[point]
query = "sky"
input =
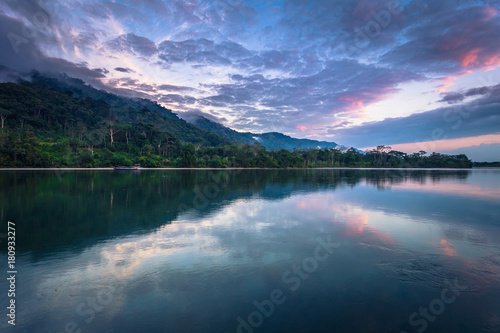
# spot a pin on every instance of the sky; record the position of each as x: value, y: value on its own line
x: 414, y: 75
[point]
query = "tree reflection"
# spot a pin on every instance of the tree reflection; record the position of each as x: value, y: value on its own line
x: 78, y: 208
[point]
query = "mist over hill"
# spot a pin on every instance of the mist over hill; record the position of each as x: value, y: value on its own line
x: 63, y: 122
x: 271, y: 140
x: 133, y: 109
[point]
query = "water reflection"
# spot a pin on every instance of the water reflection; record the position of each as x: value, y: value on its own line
x: 72, y: 202
x: 181, y: 258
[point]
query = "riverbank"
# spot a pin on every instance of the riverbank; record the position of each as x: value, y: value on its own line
x: 144, y: 169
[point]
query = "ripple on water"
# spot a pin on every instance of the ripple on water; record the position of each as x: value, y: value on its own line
x: 433, y: 271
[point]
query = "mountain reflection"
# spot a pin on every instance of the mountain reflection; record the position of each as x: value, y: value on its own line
x: 78, y: 208
x: 192, y: 249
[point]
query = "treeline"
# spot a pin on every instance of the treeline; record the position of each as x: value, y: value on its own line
x: 43, y: 127
x: 257, y: 156
x: 142, y: 144
x: 486, y: 164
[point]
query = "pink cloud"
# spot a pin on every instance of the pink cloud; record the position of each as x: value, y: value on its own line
x: 492, y: 63
x: 352, y: 101
x: 470, y: 58
x: 444, y: 145
x: 489, y: 13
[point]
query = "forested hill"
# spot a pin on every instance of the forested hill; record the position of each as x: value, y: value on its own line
x: 52, y: 108
x: 117, y: 103
x: 272, y: 140
x: 49, y: 123
x: 82, y: 90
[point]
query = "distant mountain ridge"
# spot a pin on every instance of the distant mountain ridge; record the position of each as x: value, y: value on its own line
x: 197, y: 130
x: 271, y: 140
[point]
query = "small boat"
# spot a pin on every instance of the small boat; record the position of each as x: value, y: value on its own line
x: 121, y: 168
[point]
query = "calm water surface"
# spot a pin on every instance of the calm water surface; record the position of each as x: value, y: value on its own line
x: 254, y: 250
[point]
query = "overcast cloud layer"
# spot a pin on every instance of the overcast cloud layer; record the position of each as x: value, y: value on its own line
x: 358, y: 72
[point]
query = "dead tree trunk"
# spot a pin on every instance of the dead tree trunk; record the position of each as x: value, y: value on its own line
x: 3, y: 116
x: 112, y: 132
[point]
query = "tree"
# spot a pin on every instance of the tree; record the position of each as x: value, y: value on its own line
x: 383, y: 149
x: 120, y: 159
x: 112, y: 131
x: 3, y: 115
x: 188, y: 155
x: 147, y: 149
x: 81, y: 129
x: 127, y: 129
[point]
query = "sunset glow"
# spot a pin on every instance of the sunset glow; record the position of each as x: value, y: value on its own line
x: 263, y: 67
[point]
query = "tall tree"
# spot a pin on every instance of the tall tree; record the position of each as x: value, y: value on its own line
x: 112, y: 131
x: 188, y: 154
x: 3, y: 115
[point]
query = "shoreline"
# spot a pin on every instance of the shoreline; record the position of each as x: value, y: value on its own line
x: 145, y: 169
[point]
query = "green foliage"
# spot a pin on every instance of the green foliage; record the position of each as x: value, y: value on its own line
x: 44, y: 127
x: 119, y: 159
x: 486, y: 164
x: 188, y: 156
x: 124, y: 110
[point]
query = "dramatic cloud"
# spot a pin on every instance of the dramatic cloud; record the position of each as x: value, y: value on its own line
x: 355, y: 71
x: 22, y: 54
x: 468, y: 120
x: 467, y: 39
x: 133, y: 44
x: 201, y: 51
x: 169, y: 87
